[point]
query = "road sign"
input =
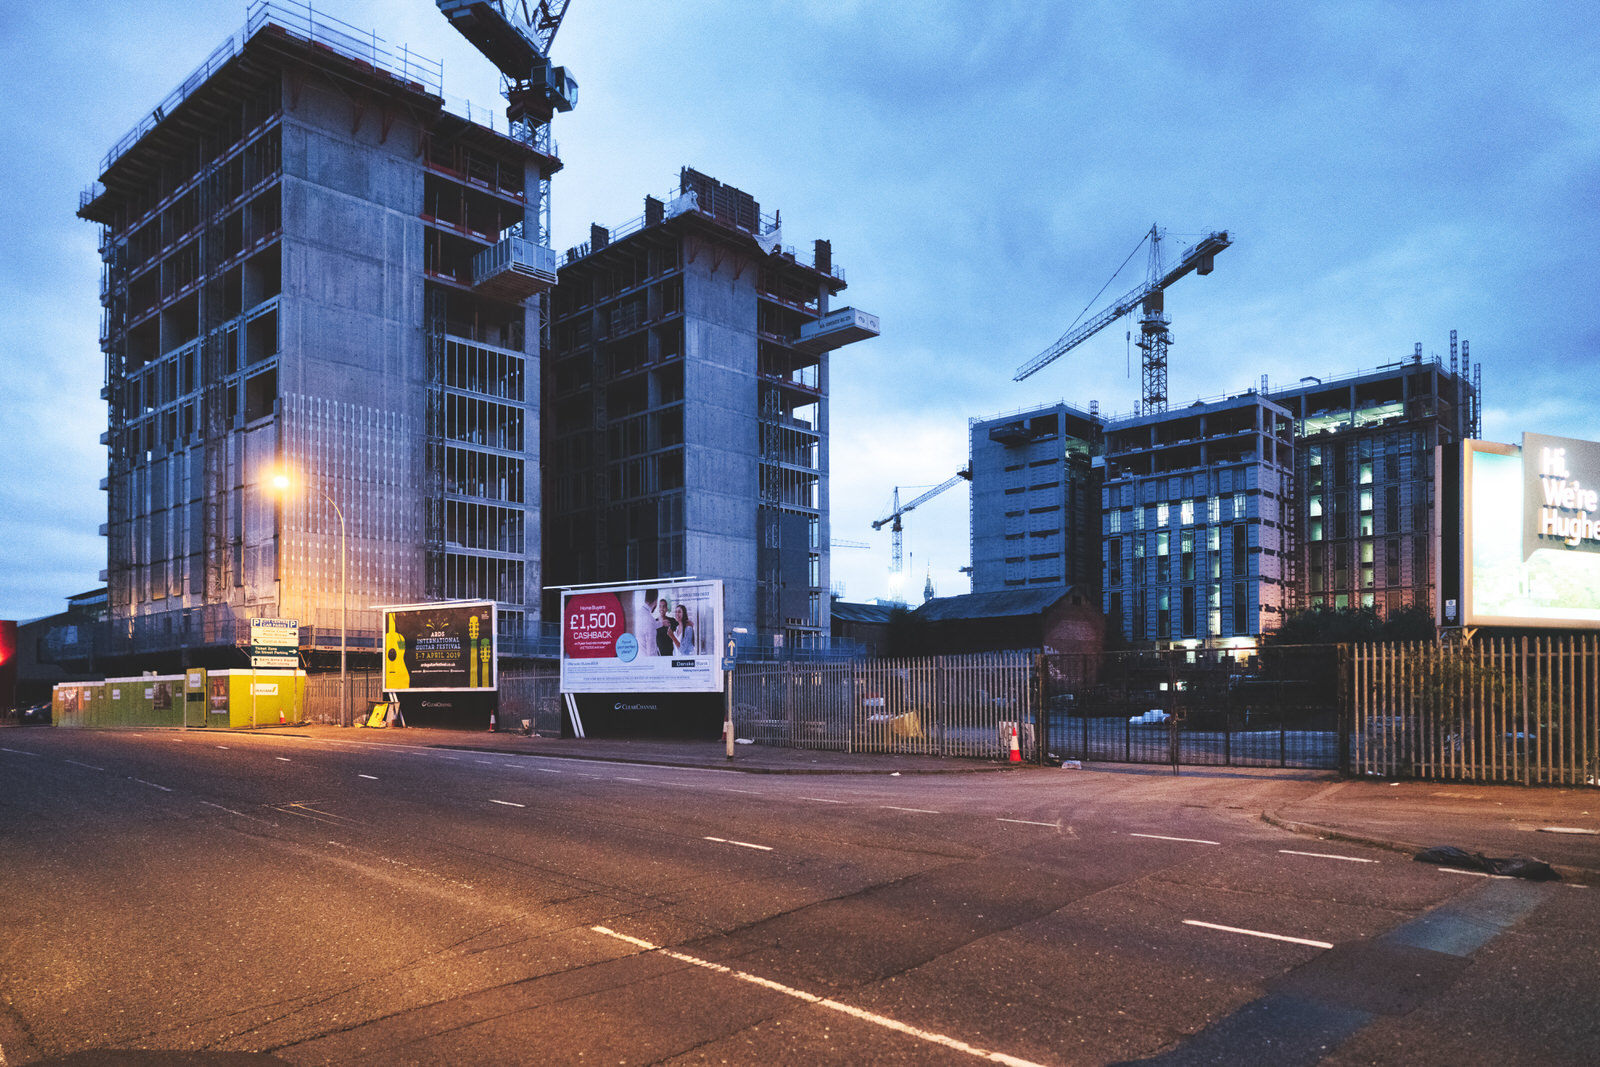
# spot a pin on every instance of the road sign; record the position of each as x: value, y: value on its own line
x: 277, y: 633
x: 275, y: 661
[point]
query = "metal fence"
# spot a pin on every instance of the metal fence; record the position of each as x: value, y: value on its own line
x: 1515, y: 709
x: 942, y: 706
x: 533, y: 694
x: 322, y: 695
x: 1200, y: 707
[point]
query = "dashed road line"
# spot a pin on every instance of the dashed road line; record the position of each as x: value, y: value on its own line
x: 547, y: 770
x: 369, y: 777
x: 507, y: 803
x: 920, y: 811
x: 153, y: 785
x: 824, y: 1002
x: 91, y: 766
x: 19, y: 751
x: 620, y: 778
x: 1185, y: 840
x: 822, y: 800
x: 1568, y: 830
x: 1326, y: 856
x: 1030, y: 822
x: 283, y: 759
x: 730, y: 789
x: 1260, y: 933
x: 741, y: 844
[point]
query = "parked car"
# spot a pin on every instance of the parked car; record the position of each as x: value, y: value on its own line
x: 1153, y: 717
x: 35, y: 715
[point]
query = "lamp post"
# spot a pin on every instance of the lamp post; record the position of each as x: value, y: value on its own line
x: 281, y: 481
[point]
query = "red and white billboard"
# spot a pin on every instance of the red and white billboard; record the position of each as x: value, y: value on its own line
x: 664, y: 637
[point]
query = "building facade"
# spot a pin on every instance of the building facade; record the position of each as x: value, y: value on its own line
x: 1197, y: 524
x: 1366, y: 509
x: 1035, y: 500
x: 312, y: 268
x: 686, y: 400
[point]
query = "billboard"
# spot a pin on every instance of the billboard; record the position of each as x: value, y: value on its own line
x: 449, y: 645
x: 1531, y: 533
x: 662, y: 638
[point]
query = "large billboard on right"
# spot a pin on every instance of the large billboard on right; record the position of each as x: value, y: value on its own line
x: 1531, y: 533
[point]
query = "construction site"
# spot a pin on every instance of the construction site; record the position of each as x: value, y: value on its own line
x: 344, y: 368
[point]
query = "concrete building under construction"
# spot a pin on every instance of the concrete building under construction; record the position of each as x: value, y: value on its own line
x: 1366, y: 514
x: 686, y: 408
x: 313, y: 266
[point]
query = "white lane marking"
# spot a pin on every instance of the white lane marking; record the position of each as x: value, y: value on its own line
x: 730, y: 789
x: 91, y: 766
x: 741, y: 844
x: 823, y: 800
x: 283, y: 759
x: 508, y: 803
x: 1542, y: 829
x: 369, y: 777
x: 1260, y: 933
x: 620, y: 778
x: 1471, y: 874
x: 1326, y: 856
x: 1030, y: 822
x: 485, y: 762
x: 1187, y: 840
x: 219, y: 807
x: 546, y: 770
x: 223, y: 747
x: 163, y: 788
x: 825, y: 1002
x: 921, y: 811
x: 19, y: 751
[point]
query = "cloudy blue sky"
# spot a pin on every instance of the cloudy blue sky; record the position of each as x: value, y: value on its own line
x: 1389, y: 172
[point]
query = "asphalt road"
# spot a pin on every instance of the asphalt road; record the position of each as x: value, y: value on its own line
x: 240, y: 899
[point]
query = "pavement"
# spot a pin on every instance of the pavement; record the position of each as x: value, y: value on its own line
x: 1560, y: 825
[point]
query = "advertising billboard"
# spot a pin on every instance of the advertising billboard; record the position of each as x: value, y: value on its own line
x: 447, y: 646
x: 1531, y: 523
x: 661, y: 638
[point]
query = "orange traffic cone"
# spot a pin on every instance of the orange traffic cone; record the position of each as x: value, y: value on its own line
x: 281, y: 721
x: 1016, y: 752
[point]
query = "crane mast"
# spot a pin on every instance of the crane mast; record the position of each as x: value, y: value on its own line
x: 1154, y: 325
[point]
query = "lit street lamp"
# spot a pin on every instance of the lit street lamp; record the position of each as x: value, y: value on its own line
x: 281, y: 482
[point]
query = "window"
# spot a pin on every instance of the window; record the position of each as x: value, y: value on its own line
x: 1241, y: 550
x: 1114, y: 561
x: 1241, y: 609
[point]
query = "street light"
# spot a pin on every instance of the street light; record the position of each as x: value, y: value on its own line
x: 281, y: 482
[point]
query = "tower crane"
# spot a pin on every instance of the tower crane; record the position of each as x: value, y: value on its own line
x: 516, y: 35
x: 896, y: 510
x: 1154, y: 335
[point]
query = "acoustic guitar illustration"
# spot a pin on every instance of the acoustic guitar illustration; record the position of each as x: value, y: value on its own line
x: 472, y: 652
x: 395, y: 674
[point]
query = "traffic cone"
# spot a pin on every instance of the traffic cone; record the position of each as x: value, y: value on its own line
x: 491, y: 720
x: 1016, y: 752
x: 281, y: 721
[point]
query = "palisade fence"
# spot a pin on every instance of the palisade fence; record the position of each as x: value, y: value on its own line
x: 322, y: 695
x: 939, y: 706
x: 1198, y: 707
x: 1494, y: 709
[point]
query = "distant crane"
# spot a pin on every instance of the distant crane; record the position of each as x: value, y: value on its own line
x: 896, y: 510
x: 1154, y: 335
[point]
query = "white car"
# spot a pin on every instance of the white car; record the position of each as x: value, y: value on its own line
x: 1153, y: 717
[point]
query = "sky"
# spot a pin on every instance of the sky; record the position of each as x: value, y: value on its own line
x: 1388, y: 172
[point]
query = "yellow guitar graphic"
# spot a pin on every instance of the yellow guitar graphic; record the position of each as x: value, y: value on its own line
x: 395, y: 674
x: 472, y: 652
